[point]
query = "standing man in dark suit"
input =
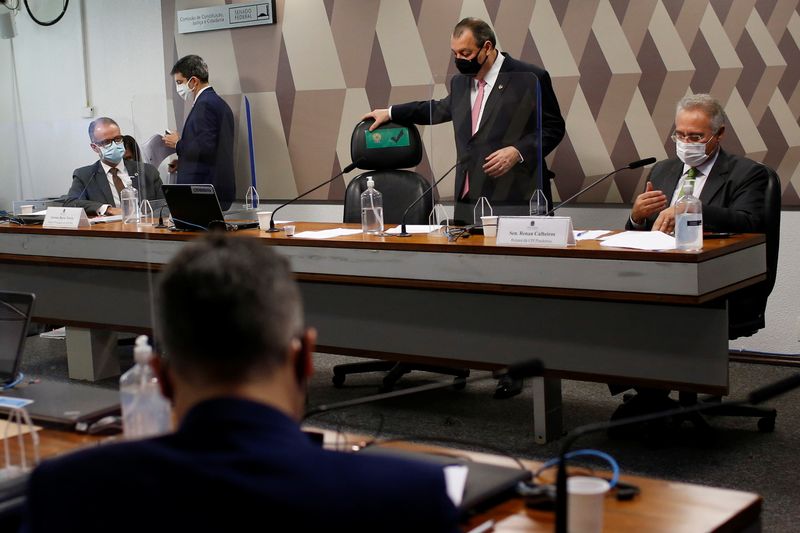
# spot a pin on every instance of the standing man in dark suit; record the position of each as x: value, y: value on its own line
x: 97, y: 187
x: 237, y: 358
x: 493, y: 109
x: 205, y: 148
x: 731, y: 189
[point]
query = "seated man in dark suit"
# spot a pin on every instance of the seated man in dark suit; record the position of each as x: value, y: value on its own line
x: 730, y: 187
x: 237, y: 358
x: 97, y: 187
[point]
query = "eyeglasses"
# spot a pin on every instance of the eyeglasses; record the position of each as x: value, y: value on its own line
x: 691, y: 138
x: 107, y: 142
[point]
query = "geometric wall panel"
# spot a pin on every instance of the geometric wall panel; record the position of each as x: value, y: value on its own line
x: 618, y: 67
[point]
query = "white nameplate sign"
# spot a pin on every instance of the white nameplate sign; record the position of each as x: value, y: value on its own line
x: 226, y: 17
x: 65, y: 218
x: 535, y: 231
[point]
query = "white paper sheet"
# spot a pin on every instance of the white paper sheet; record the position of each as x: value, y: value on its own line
x: 108, y: 218
x: 455, y: 479
x: 640, y: 240
x: 326, y: 233
x: 413, y: 228
x: 590, y: 234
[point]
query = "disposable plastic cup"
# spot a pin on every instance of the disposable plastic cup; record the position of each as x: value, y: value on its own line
x: 585, y: 501
x: 263, y: 219
x: 489, y: 226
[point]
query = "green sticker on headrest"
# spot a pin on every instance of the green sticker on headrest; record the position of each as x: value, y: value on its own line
x: 388, y: 138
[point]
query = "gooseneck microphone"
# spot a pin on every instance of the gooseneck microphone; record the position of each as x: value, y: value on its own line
x: 348, y: 168
x: 523, y: 369
x: 403, y: 232
x: 629, y: 166
x: 756, y: 397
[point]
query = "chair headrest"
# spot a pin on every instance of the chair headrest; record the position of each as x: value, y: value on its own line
x: 391, y: 146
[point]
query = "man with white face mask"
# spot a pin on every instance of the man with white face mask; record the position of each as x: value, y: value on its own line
x: 730, y: 187
x: 205, y: 147
x: 97, y: 187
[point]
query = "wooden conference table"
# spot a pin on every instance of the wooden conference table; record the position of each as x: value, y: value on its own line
x: 662, y: 506
x: 588, y: 312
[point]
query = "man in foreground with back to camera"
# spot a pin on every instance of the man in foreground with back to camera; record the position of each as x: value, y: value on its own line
x: 237, y: 361
x: 97, y: 187
x: 730, y: 187
x: 492, y: 106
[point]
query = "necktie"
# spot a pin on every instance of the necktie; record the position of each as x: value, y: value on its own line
x: 476, y: 113
x: 691, y: 174
x: 117, y: 181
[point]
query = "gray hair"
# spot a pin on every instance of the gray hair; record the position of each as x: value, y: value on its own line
x: 708, y: 105
x: 102, y: 121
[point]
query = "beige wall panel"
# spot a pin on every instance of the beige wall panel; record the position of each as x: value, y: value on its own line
x: 312, y: 143
x: 401, y: 45
x: 310, y: 46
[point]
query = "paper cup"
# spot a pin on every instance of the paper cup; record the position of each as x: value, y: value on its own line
x: 263, y: 219
x: 489, y: 226
x: 586, y: 502
x: 26, y: 209
x: 289, y: 231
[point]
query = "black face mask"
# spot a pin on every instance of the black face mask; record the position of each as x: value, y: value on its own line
x: 470, y: 67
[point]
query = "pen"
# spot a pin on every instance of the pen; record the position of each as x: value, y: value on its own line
x: 483, y: 528
x: 581, y: 232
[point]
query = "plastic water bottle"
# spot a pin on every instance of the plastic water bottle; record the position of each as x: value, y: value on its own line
x: 688, y: 221
x: 371, y: 209
x: 145, y: 411
x: 129, y: 198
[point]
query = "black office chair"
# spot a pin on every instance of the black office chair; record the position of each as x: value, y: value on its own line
x: 382, y: 152
x: 746, y: 310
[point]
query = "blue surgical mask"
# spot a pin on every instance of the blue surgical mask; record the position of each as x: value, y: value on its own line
x: 113, y: 152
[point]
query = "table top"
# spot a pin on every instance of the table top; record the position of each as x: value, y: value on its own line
x: 662, y: 505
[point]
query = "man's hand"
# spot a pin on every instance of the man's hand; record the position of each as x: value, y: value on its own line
x: 501, y: 161
x: 381, y: 116
x: 665, y: 221
x: 171, y: 139
x: 172, y: 166
x: 648, y: 203
x: 113, y: 211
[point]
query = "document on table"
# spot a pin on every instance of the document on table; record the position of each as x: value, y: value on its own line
x: 326, y: 233
x: 108, y: 218
x: 455, y: 480
x: 413, y: 228
x: 590, y: 234
x: 640, y: 240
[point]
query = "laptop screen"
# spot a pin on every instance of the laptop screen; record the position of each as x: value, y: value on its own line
x: 15, y: 315
x: 193, y: 207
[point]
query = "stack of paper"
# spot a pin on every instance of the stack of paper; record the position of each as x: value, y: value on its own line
x: 641, y: 240
x: 326, y: 233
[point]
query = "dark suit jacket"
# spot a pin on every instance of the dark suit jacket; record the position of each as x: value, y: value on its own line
x: 733, y: 200
x: 231, y: 464
x: 509, y: 119
x: 733, y: 196
x: 205, y: 149
x: 90, y: 188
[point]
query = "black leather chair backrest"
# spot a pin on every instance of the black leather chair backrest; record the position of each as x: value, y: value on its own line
x: 746, y: 308
x: 384, y: 152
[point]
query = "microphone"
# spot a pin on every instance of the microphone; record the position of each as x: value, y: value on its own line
x: 629, y: 166
x: 523, y: 369
x: 75, y: 199
x: 348, y: 168
x: 756, y: 397
x: 403, y: 232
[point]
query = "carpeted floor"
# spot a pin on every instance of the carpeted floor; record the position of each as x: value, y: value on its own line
x: 735, y: 455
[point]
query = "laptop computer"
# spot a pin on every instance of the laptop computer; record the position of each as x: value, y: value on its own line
x: 196, y: 207
x: 486, y: 483
x: 64, y: 403
x: 15, y: 317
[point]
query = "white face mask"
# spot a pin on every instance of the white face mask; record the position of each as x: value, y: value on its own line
x: 183, y: 90
x: 692, y: 154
